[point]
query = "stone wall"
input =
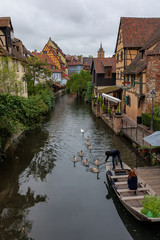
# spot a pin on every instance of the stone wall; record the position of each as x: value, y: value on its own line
x: 152, y: 80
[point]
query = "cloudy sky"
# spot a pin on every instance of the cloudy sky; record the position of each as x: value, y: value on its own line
x: 77, y: 26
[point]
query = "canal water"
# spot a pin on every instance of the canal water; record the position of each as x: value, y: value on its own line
x: 44, y: 196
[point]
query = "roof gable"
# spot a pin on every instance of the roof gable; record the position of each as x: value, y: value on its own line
x: 136, y: 31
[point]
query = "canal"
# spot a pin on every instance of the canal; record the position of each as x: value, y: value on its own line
x: 43, y: 196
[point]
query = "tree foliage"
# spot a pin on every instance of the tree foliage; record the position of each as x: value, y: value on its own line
x: 9, y: 82
x: 78, y: 82
x: 36, y: 72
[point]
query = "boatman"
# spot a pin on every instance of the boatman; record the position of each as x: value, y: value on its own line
x: 114, y: 153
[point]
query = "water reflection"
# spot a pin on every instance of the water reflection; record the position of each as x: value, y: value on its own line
x: 14, y: 205
x: 73, y: 199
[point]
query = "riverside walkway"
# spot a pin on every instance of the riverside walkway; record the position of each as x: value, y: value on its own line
x: 135, y: 132
x: 151, y: 175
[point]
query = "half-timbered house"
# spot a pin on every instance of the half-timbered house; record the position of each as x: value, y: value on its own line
x: 143, y: 74
x: 133, y: 33
x: 14, y: 49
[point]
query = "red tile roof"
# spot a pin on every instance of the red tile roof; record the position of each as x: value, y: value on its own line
x: 5, y: 21
x: 110, y: 62
x: 100, y: 63
x: 136, y: 31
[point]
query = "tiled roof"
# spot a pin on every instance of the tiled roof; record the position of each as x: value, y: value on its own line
x: 5, y: 21
x: 43, y: 57
x: 75, y: 63
x: 136, y: 31
x: 136, y: 66
x: 110, y: 62
x: 100, y: 63
x: 155, y: 37
x: 60, y: 50
x: 88, y: 60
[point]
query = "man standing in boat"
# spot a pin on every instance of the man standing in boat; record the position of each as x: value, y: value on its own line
x: 114, y: 153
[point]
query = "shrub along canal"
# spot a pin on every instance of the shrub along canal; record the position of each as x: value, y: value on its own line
x: 42, y: 194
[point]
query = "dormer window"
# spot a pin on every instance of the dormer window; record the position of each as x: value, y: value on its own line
x: 108, y: 72
x: 142, y: 54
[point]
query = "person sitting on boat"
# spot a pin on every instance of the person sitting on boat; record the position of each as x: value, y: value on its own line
x: 114, y: 153
x: 132, y: 181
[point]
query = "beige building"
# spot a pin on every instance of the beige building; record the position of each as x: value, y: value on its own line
x: 14, y: 49
x: 133, y: 33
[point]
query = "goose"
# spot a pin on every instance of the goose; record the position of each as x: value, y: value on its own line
x: 74, y: 159
x: 85, y: 162
x: 87, y: 138
x: 80, y: 154
x: 95, y: 170
x: 90, y: 147
x: 97, y: 162
x: 87, y: 143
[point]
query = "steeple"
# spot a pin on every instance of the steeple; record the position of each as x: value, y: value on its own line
x: 101, y: 52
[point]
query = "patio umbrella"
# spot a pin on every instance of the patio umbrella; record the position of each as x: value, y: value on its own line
x: 153, y: 139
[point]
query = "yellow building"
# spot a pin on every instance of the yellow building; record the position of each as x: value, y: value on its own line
x: 56, y: 55
x: 133, y: 33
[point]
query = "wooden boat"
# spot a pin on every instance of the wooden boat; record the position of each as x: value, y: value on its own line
x: 87, y: 143
x: 131, y: 201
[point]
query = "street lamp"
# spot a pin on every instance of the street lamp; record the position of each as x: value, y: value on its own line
x: 153, y: 94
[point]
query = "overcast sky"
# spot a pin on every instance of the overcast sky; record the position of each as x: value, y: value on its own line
x: 77, y: 26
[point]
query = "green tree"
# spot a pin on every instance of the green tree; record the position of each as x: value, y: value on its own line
x: 78, y: 82
x: 36, y: 72
x: 9, y: 82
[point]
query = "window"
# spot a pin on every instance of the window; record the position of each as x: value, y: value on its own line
x: 132, y: 79
x: 128, y: 101
x: 117, y: 56
x: 121, y: 55
x: 108, y: 72
x: 45, y: 52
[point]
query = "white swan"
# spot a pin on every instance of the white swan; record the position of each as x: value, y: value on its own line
x: 82, y: 130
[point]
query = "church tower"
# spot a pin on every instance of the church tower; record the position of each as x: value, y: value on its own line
x: 101, y: 52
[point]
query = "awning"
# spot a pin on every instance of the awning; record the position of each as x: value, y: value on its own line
x: 109, y: 89
x: 153, y: 139
x: 110, y: 98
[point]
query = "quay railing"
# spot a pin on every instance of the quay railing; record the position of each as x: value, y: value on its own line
x: 134, y: 132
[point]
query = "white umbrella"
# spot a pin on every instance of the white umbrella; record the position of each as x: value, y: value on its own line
x: 153, y: 139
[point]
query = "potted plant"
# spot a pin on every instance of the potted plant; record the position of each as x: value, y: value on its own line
x: 151, y: 206
x: 118, y: 111
x: 101, y: 99
x: 109, y: 110
x: 98, y: 100
x: 103, y: 107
